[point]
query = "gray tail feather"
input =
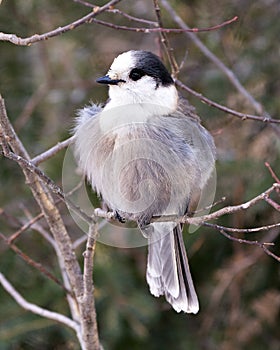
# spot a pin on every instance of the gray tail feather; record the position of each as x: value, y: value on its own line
x: 168, y: 271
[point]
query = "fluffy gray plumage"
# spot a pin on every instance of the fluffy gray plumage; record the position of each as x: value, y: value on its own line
x: 147, y: 155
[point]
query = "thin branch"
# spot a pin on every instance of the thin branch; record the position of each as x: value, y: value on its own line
x: 165, y: 42
x: 36, y: 309
x: 207, y: 207
x: 40, y: 158
x: 199, y: 220
x: 274, y: 176
x: 14, y: 39
x: 10, y: 219
x: 257, y: 243
x: 33, y: 263
x: 85, y: 3
x: 184, y: 59
x: 33, y: 222
x: 242, y: 230
x: 226, y: 210
x: 211, y: 103
x: 160, y: 29
x: 25, y: 227
x: 70, y: 298
x: 271, y: 202
x: 132, y: 18
x: 119, y: 12
x: 44, y: 233
x: 235, y: 208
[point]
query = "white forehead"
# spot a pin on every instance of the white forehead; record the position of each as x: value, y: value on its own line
x: 124, y: 62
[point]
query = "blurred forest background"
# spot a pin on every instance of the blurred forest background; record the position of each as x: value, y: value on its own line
x: 44, y: 84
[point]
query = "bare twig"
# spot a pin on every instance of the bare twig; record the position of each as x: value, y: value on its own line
x: 119, y: 12
x: 52, y: 151
x: 211, y: 103
x: 160, y: 29
x: 242, y: 230
x: 33, y: 220
x: 165, y: 42
x: 36, y: 309
x: 207, y: 207
x: 71, y: 301
x: 184, y: 59
x: 14, y: 39
x: 33, y: 263
x: 25, y: 227
x: 235, y: 208
x: 271, y: 202
x: 262, y: 245
x: 274, y: 176
x: 199, y: 220
x: 132, y: 18
x: 85, y: 3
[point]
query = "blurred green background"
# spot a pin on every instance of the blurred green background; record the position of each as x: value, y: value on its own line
x: 44, y: 84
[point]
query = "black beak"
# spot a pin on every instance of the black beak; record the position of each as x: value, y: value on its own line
x: 107, y: 80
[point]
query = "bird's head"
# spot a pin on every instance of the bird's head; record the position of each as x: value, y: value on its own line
x: 139, y: 77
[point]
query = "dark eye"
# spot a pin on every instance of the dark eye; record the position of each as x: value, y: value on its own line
x: 136, y: 74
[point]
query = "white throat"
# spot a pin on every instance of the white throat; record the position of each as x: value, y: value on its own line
x: 161, y: 98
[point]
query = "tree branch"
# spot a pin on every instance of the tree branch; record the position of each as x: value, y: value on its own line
x: 161, y: 29
x: 40, y: 158
x: 211, y: 103
x: 257, y: 243
x: 36, y: 309
x: 242, y: 230
x: 33, y: 263
x: 14, y: 39
x: 45, y: 201
x: 203, y: 220
x: 119, y: 12
x: 274, y: 176
x: 24, y: 227
x: 165, y: 42
x: 230, y: 209
x: 90, y: 333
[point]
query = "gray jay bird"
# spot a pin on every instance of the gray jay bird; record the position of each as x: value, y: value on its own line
x: 147, y: 155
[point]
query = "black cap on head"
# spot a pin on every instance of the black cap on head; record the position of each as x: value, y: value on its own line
x: 151, y: 65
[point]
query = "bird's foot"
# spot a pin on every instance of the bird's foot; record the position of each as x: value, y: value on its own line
x: 119, y: 217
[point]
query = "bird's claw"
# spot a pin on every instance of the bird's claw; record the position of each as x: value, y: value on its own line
x: 119, y: 218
